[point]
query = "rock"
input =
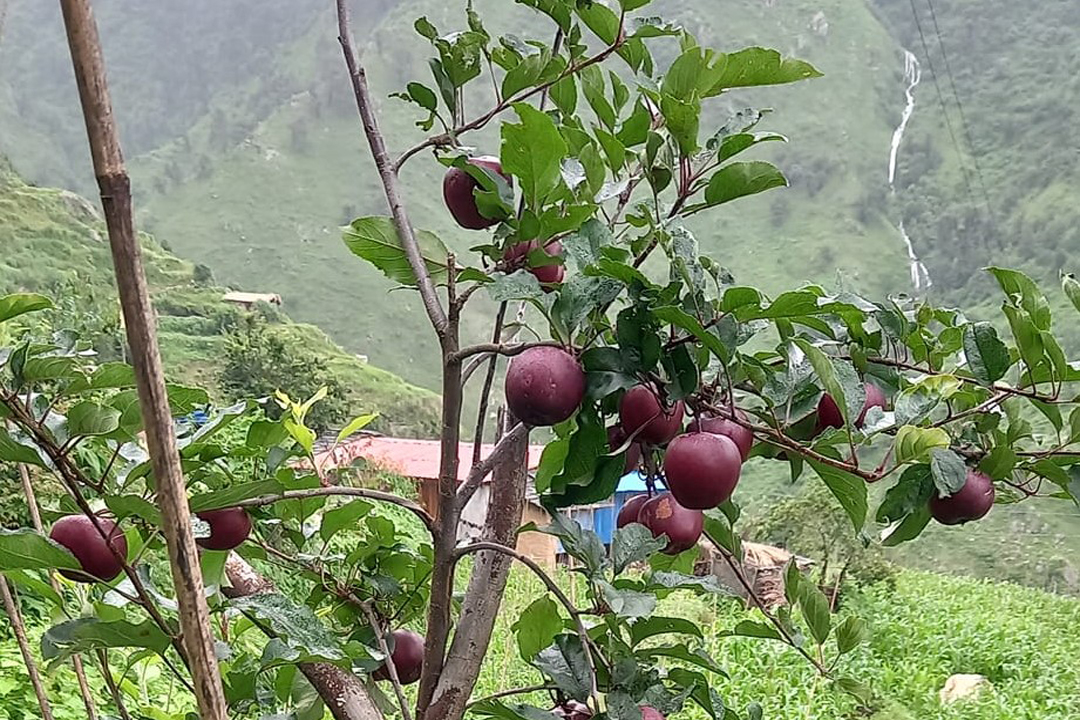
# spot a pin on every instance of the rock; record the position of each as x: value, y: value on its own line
x: 963, y: 687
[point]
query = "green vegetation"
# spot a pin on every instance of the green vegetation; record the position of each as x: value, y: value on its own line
x: 53, y: 242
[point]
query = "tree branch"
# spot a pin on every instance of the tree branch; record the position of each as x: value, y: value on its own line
x: 485, y: 392
x: 19, y: 629
x: 503, y: 349
x: 502, y: 451
x: 512, y: 691
x: 450, y: 138
x: 89, y: 67
x: 413, y: 507
x: 388, y: 174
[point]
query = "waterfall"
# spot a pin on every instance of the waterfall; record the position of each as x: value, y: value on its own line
x: 920, y: 277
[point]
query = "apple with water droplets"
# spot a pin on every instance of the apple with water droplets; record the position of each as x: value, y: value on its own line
x: 663, y: 515
x: 544, y: 386
x: 644, y: 416
x: 229, y: 528
x: 78, y: 534
x: 702, y: 469
x: 971, y: 502
x: 458, y: 193
x: 407, y: 652
x: 742, y: 436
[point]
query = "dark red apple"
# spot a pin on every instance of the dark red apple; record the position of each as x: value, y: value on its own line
x: 829, y: 415
x: 408, y: 655
x: 544, y: 386
x: 547, y: 275
x: 971, y: 502
x: 229, y: 527
x: 742, y: 437
x: 651, y: 713
x: 630, y: 510
x: 664, y: 516
x: 458, y: 188
x: 641, y: 409
x: 616, y: 438
x: 702, y: 469
x: 78, y: 534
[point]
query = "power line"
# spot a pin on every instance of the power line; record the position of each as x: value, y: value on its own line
x: 960, y: 106
x: 944, y: 108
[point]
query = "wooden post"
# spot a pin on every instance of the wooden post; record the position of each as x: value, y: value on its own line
x: 11, y: 607
x: 115, y: 188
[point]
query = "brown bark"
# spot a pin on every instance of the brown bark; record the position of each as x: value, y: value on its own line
x: 11, y: 607
x: 342, y: 692
x: 89, y: 67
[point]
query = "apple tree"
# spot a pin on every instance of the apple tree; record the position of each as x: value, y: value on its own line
x: 637, y: 351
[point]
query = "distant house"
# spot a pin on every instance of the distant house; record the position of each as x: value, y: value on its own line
x: 248, y: 300
x: 419, y: 460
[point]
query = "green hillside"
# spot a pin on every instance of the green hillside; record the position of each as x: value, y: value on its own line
x: 54, y: 242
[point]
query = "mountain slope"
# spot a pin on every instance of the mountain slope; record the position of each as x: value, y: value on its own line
x: 53, y: 242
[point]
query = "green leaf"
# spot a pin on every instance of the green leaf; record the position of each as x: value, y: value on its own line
x: 698, y: 656
x: 683, y: 121
x: 28, y: 550
x: 356, y: 425
x: 753, y: 628
x: 913, y: 444
x: 659, y: 625
x: 229, y: 496
x: 732, y: 145
x: 86, y: 634
x: 849, y: 489
x: 839, y: 380
x: 680, y: 581
x: 342, y: 517
x: 35, y: 585
x: 12, y: 306
x: 376, y: 240
x: 740, y: 179
x: 857, y: 689
x: 908, y: 529
x: 564, y: 662
x: 519, y: 285
x: 682, y: 319
x: 90, y: 418
x: 755, y: 66
x: 633, y: 543
x: 295, y: 624
x: 127, y: 505
x: 13, y: 451
x: 585, y: 545
x: 986, y: 354
x: 537, y: 627
x: 564, y: 95
x: 627, y: 603
x: 533, y: 151
x: 815, y: 610
x: 910, y: 493
x: 38, y: 369
x: 948, y: 470
x: 1024, y: 293
x: 111, y: 376
x: 851, y: 633
x: 1071, y: 287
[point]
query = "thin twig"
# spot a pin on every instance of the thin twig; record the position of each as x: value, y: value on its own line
x: 388, y: 174
x: 413, y: 507
x: 509, y: 350
x: 391, y: 669
x: 558, y: 593
x: 110, y: 682
x: 485, y: 392
x: 446, y: 139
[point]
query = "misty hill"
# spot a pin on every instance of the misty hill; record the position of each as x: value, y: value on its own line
x: 247, y: 155
x: 53, y: 241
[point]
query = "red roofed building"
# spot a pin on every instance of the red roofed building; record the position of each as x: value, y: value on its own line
x: 419, y: 460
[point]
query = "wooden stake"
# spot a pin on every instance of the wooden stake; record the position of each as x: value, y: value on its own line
x: 12, y: 609
x: 115, y: 188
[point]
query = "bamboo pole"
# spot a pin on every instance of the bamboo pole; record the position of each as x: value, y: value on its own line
x: 11, y: 607
x: 115, y: 187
